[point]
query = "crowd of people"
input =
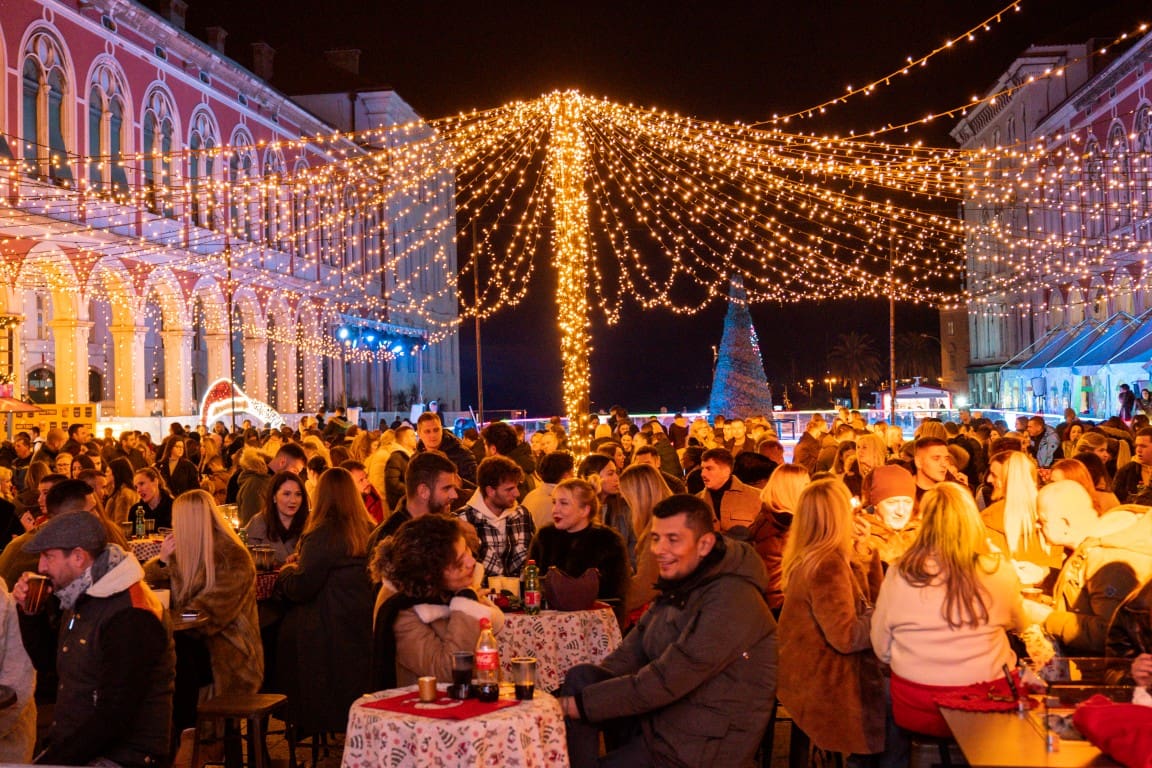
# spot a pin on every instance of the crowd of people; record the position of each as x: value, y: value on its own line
x: 855, y: 584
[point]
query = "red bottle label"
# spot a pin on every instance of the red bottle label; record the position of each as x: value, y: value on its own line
x: 487, y: 660
x: 531, y: 599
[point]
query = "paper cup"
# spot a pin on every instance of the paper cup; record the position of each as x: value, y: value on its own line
x: 164, y: 596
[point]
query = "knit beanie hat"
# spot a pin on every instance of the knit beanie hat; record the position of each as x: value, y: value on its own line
x: 892, y: 480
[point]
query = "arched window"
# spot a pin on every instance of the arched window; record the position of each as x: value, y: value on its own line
x: 107, y: 131
x: 243, y: 193
x: 276, y: 202
x: 159, y: 126
x: 1143, y: 169
x: 203, y: 140
x: 1093, y: 190
x: 44, y: 94
x: 1119, y: 177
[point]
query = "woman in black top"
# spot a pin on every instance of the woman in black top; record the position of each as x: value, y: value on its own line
x: 577, y: 540
x: 179, y: 473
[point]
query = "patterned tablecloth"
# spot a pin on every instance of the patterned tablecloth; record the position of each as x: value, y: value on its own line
x: 559, y: 641
x: 529, y: 735
x: 265, y: 583
x: 145, y: 549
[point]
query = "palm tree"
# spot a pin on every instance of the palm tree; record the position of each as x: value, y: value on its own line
x: 917, y: 355
x: 853, y: 357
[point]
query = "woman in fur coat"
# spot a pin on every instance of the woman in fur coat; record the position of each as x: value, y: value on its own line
x: 212, y: 573
x: 829, y: 678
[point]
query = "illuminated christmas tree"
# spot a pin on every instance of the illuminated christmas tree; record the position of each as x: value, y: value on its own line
x: 739, y: 386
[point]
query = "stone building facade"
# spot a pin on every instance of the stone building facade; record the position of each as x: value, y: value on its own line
x: 162, y: 225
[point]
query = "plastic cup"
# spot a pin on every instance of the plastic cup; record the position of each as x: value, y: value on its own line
x: 38, y: 591
x: 524, y: 677
x: 427, y: 686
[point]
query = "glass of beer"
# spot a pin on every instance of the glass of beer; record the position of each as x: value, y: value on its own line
x: 38, y: 591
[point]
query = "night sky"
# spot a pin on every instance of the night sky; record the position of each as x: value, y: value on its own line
x: 729, y: 61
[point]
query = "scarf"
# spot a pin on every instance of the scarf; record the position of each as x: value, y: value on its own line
x: 112, y: 556
x: 382, y: 666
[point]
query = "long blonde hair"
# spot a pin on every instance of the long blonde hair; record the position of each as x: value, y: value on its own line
x: 1020, y: 478
x: 821, y: 528
x: 876, y: 445
x: 642, y: 486
x: 195, y: 521
x: 948, y: 550
x: 784, y: 487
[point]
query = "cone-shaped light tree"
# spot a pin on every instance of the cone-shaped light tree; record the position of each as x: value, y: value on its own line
x: 739, y: 386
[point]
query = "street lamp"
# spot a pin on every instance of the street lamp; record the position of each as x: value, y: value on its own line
x: 810, y: 383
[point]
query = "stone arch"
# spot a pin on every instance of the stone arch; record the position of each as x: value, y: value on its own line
x: 282, y: 361
x: 309, y: 357
x: 205, y: 163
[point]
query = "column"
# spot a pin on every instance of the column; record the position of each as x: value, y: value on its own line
x: 70, y: 354
x: 285, y: 372
x: 313, y: 382
x: 128, y: 342
x: 256, y: 367
x: 219, y: 366
x: 178, y: 372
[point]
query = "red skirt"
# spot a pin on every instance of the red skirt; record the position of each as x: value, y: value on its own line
x: 914, y: 706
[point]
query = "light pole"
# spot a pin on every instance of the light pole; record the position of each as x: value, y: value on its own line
x: 810, y: 383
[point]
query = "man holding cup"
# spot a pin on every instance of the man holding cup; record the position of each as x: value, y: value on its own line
x: 115, y: 660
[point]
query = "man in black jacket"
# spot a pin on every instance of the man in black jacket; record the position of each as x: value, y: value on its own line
x: 433, y: 437
x: 116, y: 660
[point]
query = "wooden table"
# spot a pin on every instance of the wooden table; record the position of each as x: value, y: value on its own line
x: 1012, y: 740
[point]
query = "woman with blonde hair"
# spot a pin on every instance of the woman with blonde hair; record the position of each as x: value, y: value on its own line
x: 577, y: 541
x: 828, y: 677
x: 325, y: 640
x: 1011, y: 522
x: 214, y: 475
x: 377, y: 462
x: 1097, y: 443
x: 943, y: 610
x: 769, y: 533
x: 871, y: 452
x: 211, y: 574
x: 643, y: 487
x: 362, y: 446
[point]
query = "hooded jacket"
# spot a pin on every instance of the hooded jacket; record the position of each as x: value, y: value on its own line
x: 1096, y: 578
x: 699, y: 669
x: 253, y: 479
x: 117, y: 667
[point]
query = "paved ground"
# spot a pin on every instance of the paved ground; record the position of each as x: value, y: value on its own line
x: 923, y: 757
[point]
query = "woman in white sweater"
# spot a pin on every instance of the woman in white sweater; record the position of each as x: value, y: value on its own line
x: 943, y: 609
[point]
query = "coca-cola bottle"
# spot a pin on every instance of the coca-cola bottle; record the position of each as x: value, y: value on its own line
x: 487, y: 664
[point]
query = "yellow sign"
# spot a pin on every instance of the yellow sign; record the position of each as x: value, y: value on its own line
x: 58, y: 415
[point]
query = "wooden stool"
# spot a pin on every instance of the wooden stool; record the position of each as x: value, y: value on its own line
x: 252, y: 707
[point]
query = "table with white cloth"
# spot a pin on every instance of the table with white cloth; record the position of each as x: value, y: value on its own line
x: 528, y: 735
x: 559, y: 640
x: 145, y: 549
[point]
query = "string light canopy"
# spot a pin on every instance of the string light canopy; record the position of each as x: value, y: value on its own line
x: 626, y: 203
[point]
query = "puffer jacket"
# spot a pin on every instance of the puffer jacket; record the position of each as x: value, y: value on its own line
x: 1097, y: 577
x: 700, y: 666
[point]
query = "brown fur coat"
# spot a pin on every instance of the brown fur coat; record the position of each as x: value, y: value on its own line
x: 829, y: 678
x: 232, y: 633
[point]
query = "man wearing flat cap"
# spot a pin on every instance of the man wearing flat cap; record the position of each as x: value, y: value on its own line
x: 115, y: 657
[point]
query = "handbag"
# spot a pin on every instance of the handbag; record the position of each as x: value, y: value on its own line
x: 571, y: 593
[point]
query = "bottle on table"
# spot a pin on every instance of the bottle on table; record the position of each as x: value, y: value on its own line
x: 487, y: 664
x: 140, y: 529
x: 531, y: 588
